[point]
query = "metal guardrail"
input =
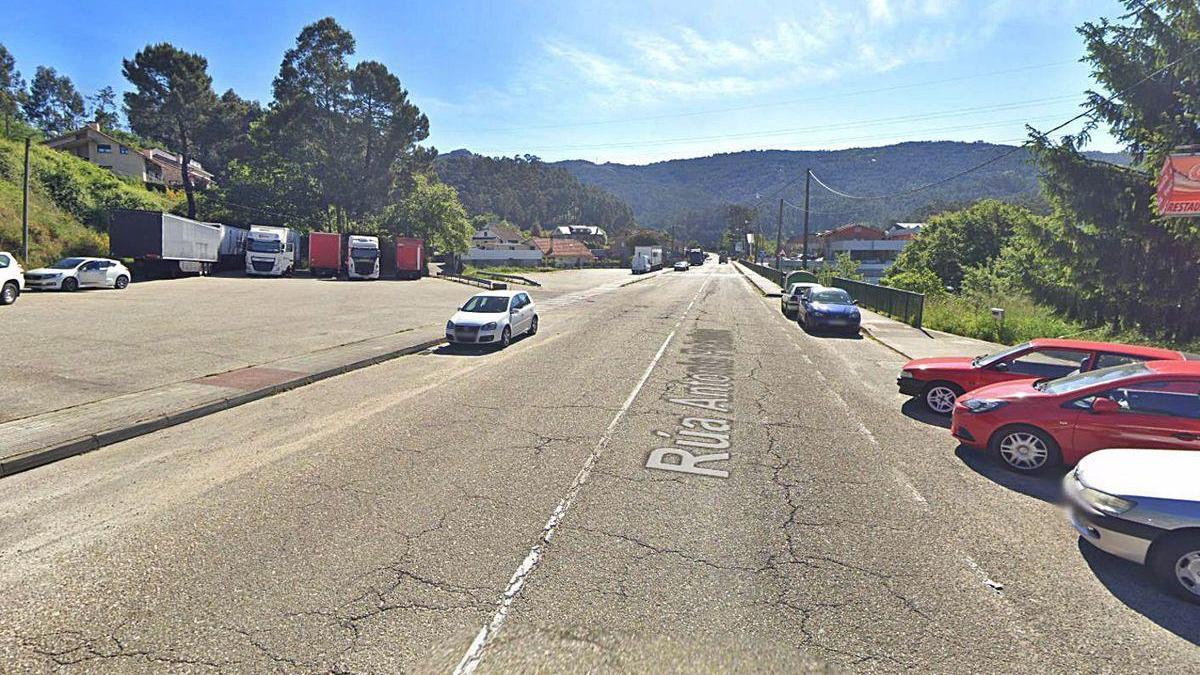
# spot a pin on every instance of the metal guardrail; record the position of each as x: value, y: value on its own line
x: 475, y: 281
x: 768, y: 272
x: 899, y: 304
x: 515, y: 278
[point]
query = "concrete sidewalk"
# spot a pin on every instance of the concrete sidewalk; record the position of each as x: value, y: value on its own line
x: 913, y: 343
x: 40, y: 439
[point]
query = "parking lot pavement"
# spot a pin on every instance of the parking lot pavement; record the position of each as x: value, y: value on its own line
x: 519, y: 512
x: 64, y: 349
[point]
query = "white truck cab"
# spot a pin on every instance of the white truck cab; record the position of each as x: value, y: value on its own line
x: 270, y: 251
x: 362, y: 257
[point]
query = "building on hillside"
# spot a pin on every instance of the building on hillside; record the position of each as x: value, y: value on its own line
x: 590, y: 235
x: 873, y: 249
x: 167, y: 167
x: 564, y: 252
x: 91, y: 144
x: 499, y: 237
x: 904, y: 230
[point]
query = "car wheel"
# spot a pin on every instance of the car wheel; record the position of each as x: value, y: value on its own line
x: 8, y: 295
x: 533, y: 325
x: 1175, y: 564
x: 70, y: 284
x: 939, y: 397
x: 1026, y: 449
x: 505, y: 337
x: 121, y: 282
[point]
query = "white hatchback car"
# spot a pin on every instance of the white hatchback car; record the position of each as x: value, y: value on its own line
x: 493, y: 318
x: 70, y: 274
x: 12, y: 278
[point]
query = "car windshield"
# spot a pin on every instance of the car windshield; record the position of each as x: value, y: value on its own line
x: 264, y: 246
x: 67, y: 264
x: 1070, y: 383
x: 831, y: 296
x: 989, y: 359
x: 359, y: 252
x: 486, y: 304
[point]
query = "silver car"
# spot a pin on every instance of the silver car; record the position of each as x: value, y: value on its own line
x: 789, y: 301
x: 1143, y: 506
x: 70, y: 274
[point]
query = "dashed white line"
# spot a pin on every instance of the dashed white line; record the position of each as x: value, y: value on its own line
x: 471, y: 659
x: 916, y: 494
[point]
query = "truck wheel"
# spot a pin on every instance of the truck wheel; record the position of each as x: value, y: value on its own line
x: 8, y: 295
x: 1175, y: 564
x: 121, y: 282
x: 70, y: 284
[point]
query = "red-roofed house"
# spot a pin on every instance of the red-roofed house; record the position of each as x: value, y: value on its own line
x: 567, y: 252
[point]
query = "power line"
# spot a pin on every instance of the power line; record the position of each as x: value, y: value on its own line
x: 1090, y: 109
x: 755, y: 106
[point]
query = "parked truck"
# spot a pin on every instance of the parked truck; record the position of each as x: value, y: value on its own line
x: 164, y: 245
x: 696, y: 257
x: 409, y: 262
x: 271, y: 251
x: 351, y: 255
x: 647, y: 259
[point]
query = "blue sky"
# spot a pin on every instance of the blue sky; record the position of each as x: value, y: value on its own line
x: 636, y: 81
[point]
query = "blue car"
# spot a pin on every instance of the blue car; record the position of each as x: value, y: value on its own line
x: 829, y: 309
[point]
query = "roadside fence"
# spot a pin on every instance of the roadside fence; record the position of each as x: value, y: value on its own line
x: 899, y: 304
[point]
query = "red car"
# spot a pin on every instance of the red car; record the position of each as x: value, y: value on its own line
x: 1032, y: 425
x: 939, y: 381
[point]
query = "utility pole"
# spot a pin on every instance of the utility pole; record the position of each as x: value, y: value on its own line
x: 25, y: 208
x: 779, y: 239
x: 807, y: 176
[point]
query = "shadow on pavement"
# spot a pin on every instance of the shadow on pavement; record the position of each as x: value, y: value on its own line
x: 1133, y: 585
x: 463, y: 350
x: 914, y: 409
x: 840, y: 335
x: 1046, y: 487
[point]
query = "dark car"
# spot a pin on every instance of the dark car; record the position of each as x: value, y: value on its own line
x: 830, y: 309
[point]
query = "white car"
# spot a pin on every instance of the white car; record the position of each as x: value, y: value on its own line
x: 789, y: 302
x: 494, y: 318
x: 12, y: 278
x: 70, y: 274
x: 1143, y: 506
x: 682, y: 266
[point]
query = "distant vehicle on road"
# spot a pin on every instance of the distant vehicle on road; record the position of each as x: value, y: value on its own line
x: 12, y: 278
x: 351, y: 255
x: 789, y: 301
x: 829, y: 308
x: 71, y: 274
x: 696, y: 257
x: 1035, y: 424
x: 271, y: 251
x: 646, y: 259
x: 722, y: 259
x: 682, y: 266
x: 939, y: 381
x: 1143, y: 506
x: 493, y: 318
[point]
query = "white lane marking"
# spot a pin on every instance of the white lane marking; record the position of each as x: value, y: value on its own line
x: 996, y: 586
x: 903, y: 478
x: 470, y: 660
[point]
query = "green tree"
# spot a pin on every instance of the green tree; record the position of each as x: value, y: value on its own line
x: 432, y: 212
x: 843, y: 266
x: 1112, y: 259
x: 104, y: 108
x: 920, y: 280
x: 12, y: 90
x: 956, y: 240
x: 53, y: 105
x: 171, y: 101
x: 225, y: 133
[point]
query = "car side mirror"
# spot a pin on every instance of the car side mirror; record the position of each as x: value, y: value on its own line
x: 1102, y: 404
x: 1002, y: 366
x: 854, y: 302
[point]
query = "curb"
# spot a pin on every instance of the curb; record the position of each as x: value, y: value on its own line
x: 645, y: 277
x: 766, y: 293
x: 78, y: 446
x: 880, y: 341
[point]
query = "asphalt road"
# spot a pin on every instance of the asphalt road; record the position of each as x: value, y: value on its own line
x: 495, y: 511
x: 63, y: 349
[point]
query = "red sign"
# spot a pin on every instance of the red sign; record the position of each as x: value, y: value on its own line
x: 1179, y: 186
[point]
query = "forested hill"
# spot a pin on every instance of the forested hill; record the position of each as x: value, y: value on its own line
x: 530, y: 193
x: 677, y: 191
